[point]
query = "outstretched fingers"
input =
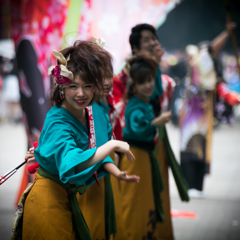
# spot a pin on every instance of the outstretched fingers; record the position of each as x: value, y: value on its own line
x: 129, y: 178
x: 132, y: 178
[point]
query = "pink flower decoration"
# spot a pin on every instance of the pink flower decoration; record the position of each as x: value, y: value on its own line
x: 59, y: 79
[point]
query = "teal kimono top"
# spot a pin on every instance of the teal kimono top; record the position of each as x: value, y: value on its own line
x: 102, y: 124
x: 105, y: 107
x: 63, y: 145
x: 138, y: 116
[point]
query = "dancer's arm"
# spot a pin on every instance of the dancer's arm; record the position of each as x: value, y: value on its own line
x: 162, y: 119
x: 104, y: 151
x: 218, y: 42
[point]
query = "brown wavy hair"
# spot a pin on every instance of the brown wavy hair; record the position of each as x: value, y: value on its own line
x: 89, y: 61
x: 143, y: 68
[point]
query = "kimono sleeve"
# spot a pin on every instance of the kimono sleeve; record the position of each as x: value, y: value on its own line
x: 61, y: 145
x: 140, y: 125
x: 119, y: 86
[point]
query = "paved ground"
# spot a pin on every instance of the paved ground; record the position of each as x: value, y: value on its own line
x: 218, y: 215
x: 13, y: 148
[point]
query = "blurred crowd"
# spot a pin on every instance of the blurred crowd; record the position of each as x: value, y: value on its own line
x: 175, y: 64
x: 10, y: 110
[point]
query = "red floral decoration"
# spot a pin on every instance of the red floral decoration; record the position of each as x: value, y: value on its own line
x: 59, y: 79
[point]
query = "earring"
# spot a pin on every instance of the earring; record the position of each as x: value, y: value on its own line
x: 61, y: 93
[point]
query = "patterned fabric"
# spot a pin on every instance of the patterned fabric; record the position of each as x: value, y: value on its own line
x: 138, y: 116
x: 84, y: 28
x: 225, y: 101
x: 119, y: 90
x: 196, y: 117
x: 204, y: 97
x: 196, y: 122
x: 168, y: 85
x: 36, y: 28
x: 41, y: 22
x: 137, y: 200
x: 107, y: 24
x: 17, y: 222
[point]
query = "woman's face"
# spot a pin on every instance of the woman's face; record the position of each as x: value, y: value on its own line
x: 78, y: 94
x: 144, y: 90
x: 107, y: 87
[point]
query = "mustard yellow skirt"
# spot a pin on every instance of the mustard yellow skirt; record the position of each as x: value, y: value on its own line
x: 47, y: 213
x: 137, y: 201
x: 92, y: 206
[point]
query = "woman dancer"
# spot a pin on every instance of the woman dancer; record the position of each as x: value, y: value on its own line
x: 67, y: 151
x: 141, y: 203
x: 144, y: 38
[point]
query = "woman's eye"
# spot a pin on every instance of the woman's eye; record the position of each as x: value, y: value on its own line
x: 88, y: 86
x: 73, y: 87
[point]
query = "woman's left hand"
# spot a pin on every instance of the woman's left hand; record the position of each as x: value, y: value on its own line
x: 128, y: 178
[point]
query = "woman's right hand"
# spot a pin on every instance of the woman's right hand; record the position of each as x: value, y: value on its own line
x: 123, y: 147
x: 30, y: 155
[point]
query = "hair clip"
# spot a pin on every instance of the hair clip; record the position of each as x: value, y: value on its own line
x: 100, y: 42
x: 60, y: 73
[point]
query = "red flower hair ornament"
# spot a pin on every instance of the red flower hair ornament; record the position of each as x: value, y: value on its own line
x: 60, y: 73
